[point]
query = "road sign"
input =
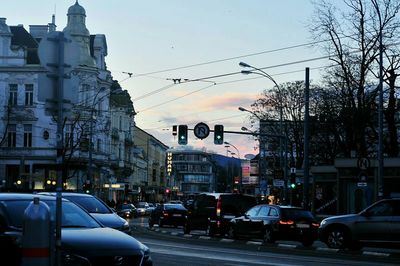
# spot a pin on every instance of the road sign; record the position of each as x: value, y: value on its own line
x: 363, y: 163
x: 201, y: 130
x: 361, y: 184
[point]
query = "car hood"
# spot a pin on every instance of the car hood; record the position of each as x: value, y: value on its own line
x: 93, y: 241
x: 109, y: 219
x: 342, y: 218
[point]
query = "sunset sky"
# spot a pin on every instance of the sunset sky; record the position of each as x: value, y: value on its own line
x: 160, y: 40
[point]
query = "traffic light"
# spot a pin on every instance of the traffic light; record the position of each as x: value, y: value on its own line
x: 182, y: 134
x: 174, y: 130
x: 218, y: 134
x: 293, y: 180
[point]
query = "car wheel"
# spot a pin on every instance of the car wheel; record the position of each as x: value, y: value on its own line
x: 307, y: 242
x: 337, y: 238
x: 231, y: 232
x: 268, y: 236
x: 186, y: 228
x: 210, y: 230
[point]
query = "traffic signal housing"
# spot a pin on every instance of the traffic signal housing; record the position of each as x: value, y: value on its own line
x: 293, y: 180
x: 219, y: 134
x: 183, y: 134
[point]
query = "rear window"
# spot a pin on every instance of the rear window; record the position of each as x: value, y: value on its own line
x: 174, y: 206
x: 237, y: 204
x: 296, y: 214
x: 91, y: 204
x: 72, y: 215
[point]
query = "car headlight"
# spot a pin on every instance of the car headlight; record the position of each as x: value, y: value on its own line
x: 70, y: 259
x: 322, y: 223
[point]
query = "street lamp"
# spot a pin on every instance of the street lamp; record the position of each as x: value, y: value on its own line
x: 230, y: 144
x: 258, y: 71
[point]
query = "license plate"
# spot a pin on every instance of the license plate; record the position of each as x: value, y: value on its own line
x: 177, y: 215
x: 302, y: 225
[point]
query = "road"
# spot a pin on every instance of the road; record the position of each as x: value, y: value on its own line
x: 169, y: 246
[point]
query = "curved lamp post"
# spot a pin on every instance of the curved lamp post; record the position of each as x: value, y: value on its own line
x: 258, y: 71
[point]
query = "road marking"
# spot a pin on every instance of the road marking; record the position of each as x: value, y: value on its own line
x: 187, y: 235
x: 379, y: 254
x: 253, y: 243
x: 328, y: 249
x: 226, y: 240
x: 287, y: 246
x: 205, y: 237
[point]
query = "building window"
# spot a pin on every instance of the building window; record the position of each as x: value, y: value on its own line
x: 12, y: 135
x: 29, y: 94
x: 68, y: 136
x: 120, y: 123
x: 154, y: 175
x: 119, y: 152
x: 98, y: 146
x: 13, y: 97
x: 86, y: 94
x: 27, y: 135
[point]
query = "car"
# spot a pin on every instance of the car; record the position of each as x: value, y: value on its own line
x: 168, y: 214
x: 84, y: 241
x: 377, y: 224
x: 151, y: 208
x: 212, y: 212
x: 127, y: 210
x: 142, y: 208
x: 97, y: 208
x: 276, y: 222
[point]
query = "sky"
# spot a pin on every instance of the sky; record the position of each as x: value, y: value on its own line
x: 162, y: 40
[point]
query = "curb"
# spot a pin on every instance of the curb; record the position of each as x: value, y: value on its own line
x: 281, y: 245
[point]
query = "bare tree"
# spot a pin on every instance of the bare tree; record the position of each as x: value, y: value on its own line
x: 352, y: 40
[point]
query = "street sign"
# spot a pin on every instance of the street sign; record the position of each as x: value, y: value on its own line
x: 278, y: 183
x: 363, y: 163
x: 361, y: 184
x: 201, y: 130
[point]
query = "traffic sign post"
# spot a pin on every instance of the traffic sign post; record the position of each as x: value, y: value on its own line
x: 201, y: 130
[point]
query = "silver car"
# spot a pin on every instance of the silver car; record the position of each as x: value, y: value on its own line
x: 378, y: 223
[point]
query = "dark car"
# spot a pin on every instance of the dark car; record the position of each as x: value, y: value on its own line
x: 377, y: 224
x: 84, y: 241
x: 273, y: 222
x: 213, y: 211
x: 98, y: 209
x: 127, y: 210
x: 168, y: 214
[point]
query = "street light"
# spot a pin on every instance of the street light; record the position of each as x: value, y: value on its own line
x: 230, y: 144
x: 258, y: 71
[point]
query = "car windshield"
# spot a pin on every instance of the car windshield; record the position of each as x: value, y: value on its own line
x: 91, y: 204
x: 72, y: 215
x: 142, y: 205
x: 174, y: 206
x: 127, y: 206
x: 296, y: 214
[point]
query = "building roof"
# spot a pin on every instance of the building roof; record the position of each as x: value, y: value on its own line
x: 23, y: 38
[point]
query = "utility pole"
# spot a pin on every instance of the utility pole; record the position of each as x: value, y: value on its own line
x: 306, y: 199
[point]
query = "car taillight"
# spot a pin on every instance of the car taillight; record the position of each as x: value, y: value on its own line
x: 165, y: 214
x: 315, y: 224
x: 219, y: 207
x: 287, y: 222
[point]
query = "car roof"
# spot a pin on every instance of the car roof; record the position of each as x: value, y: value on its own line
x: 68, y: 194
x: 25, y: 196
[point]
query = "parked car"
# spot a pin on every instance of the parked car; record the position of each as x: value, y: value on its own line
x: 273, y: 222
x: 142, y: 208
x: 213, y: 211
x: 168, y: 214
x: 98, y: 209
x: 127, y: 210
x: 152, y: 206
x: 84, y: 241
x: 377, y: 224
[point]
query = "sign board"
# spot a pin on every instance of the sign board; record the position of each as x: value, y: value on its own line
x: 363, y: 163
x: 201, y: 130
x: 278, y: 183
x: 361, y: 184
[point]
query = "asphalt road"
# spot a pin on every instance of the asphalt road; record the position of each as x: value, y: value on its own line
x: 169, y: 246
